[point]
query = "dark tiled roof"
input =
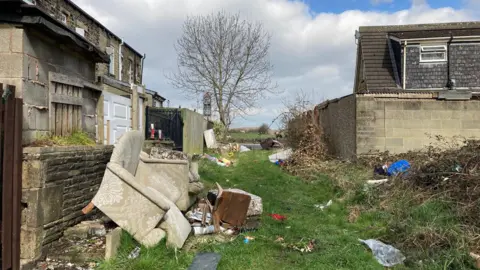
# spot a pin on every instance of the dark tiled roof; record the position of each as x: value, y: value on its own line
x: 377, y: 63
x: 376, y: 71
x: 436, y: 33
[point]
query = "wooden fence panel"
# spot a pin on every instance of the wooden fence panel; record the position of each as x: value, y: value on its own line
x: 66, y: 107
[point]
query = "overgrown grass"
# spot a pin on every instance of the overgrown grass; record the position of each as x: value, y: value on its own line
x: 77, y: 138
x: 337, y: 239
x: 426, y: 231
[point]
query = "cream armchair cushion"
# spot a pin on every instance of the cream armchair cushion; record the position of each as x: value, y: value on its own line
x: 136, y: 197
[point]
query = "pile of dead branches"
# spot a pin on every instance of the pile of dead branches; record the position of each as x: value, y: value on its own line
x: 453, y: 175
x: 303, y: 134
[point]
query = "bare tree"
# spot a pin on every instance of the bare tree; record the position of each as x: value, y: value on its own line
x: 226, y: 57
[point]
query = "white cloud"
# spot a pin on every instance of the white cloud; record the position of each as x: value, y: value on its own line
x: 310, y: 51
x: 378, y: 2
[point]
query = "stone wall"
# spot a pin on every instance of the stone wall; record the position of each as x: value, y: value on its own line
x: 401, y: 124
x: 337, y: 117
x: 41, y: 56
x: 98, y: 35
x: 57, y: 183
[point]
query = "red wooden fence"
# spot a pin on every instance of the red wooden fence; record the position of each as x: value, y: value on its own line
x: 11, y: 117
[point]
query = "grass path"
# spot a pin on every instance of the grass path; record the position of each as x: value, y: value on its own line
x: 337, y: 239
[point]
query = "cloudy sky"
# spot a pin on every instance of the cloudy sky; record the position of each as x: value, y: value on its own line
x: 313, y: 46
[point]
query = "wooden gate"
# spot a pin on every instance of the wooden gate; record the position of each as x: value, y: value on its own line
x: 11, y: 117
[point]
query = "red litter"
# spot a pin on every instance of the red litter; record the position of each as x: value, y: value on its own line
x: 278, y: 217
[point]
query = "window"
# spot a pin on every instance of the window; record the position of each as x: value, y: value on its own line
x: 130, y: 70
x: 436, y: 53
x: 64, y: 17
x: 111, y: 66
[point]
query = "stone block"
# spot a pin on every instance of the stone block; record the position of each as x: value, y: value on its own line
x: 413, y: 143
x: 393, y: 142
x: 470, y: 124
x: 11, y: 65
x: 422, y: 115
x: 455, y: 105
x: 394, y: 123
x: 16, y: 41
x: 112, y: 243
x: 442, y: 115
x: 31, y: 243
x: 412, y: 124
x: 432, y: 124
x: 396, y: 105
x: 400, y: 132
x: 32, y: 214
x: 379, y: 132
x: 52, y: 202
x: 434, y: 105
x: 452, y: 124
x: 33, y: 174
x: 412, y: 105
x: 35, y: 94
x: 5, y: 34
x: 28, y: 119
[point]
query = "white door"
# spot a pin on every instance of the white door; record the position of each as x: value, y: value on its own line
x: 141, y: 113
x: 117, y: 111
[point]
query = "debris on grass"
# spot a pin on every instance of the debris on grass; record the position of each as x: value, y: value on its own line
x: 205, y: 261
x: 135, y: 253
x: 354, y: 214
x: 304, y: 246
x: 386, y: 255
x: 323, y: 206
x: 278, y: 217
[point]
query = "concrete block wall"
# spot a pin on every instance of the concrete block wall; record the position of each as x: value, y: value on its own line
x: 337, y: 119
x: 11, y: 56
x: 399, y: 125
x: 57, y: 183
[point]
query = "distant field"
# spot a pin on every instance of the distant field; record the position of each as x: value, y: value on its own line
x: 249, y: 136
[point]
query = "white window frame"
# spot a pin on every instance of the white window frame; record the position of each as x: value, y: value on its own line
x: 111, y: 65
x: 63, y: 17
x: 432, y: 49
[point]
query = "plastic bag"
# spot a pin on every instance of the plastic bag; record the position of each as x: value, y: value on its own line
x: 385, y: 254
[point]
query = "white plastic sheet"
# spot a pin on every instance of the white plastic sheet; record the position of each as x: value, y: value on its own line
x: 385, y: 254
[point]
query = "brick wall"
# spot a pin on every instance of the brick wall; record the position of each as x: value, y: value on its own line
x: 424, y: 75
x: 57, y: 183
x: 399, y: 125
x: 337, y: 118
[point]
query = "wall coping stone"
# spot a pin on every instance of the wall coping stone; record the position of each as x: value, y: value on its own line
x: 55, y: 149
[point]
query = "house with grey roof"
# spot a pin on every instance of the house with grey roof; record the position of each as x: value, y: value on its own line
x: 412, y: 83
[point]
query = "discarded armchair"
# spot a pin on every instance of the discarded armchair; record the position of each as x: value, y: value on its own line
x: 178, y: 171
x: 138, y: 198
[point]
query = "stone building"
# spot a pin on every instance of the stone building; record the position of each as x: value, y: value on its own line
x: 118, y: 76
x: 154, y: 99
x: 53, y: 69
x: 412, y: 83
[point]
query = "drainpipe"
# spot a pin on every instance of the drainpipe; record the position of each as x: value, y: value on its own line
x: 120, y: 62
x: 404, y: 64
x: 141, y: 68
x: 449, y: 78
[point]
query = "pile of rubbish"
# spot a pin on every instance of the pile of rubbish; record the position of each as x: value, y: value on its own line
x: 229, y: 211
